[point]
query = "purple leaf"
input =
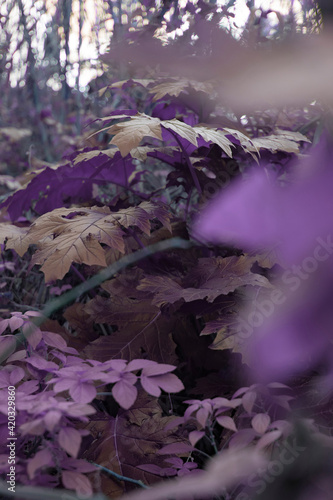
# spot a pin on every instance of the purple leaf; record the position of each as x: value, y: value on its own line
x: 157, y: 369
x: 124, y: 393
x: 82, y: 392
x: 178, y: 448
x: 52, y: 419
x: 260, y: 422
x: 70, y: 440
x: 248, y: 400
x: 76, y: 481
x: 195, y: 436
x: 69, y: 184
x: 268, y: 439
x: 242, y: 438
x: 56, y: 340
x: 7, y: 344
x: 42, y: 458
x: 41, y: 364
x: 227, y: 422
x: 259, y: 213
x: 150, y: 386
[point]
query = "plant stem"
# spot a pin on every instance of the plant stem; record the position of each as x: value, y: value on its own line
x: 59, y: 302
x: 212, y: 439
x: 122, y: 478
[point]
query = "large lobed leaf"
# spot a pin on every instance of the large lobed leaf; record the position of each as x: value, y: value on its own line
x: 128, y: 134
x: 130, y: 439
x: 65, y: 184
x: 68, y: 235
x: 209, y: 279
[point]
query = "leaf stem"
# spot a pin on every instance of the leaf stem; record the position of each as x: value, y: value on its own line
x: 188, y: 161
x: 212, y: 438
x: 122, y: 478
x: 59, y: 302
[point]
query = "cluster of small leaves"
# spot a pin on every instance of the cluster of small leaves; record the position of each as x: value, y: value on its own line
x: 46, y: 418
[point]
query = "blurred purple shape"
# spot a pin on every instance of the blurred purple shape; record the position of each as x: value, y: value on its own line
x: 259, y: 213
x: 298, y: 220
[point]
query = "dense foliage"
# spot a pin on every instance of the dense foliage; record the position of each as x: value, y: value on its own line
x: 166, y: 261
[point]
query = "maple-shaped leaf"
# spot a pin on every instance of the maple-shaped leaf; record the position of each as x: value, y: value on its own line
x: 128, y: 134
x: 141, y: 328
x: 164, y: 289
x: 121, y: 311
x: 141, y: 152
x: 13, y: 235
x: 157, y: 211
x: 182, y: 129
x: 123, y: 83
x: 88, y: 155
x: 209, y: 279
x: 283, y: 140
x: 138, y: 81
x: 71, y: 235
x: 216, y: 136
x: 65, y: 184
x: 175, y: 86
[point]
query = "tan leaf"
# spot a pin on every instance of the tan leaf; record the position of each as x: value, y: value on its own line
x: 182, y: 129
x: 118, y: 85
x: 175, y: 86
x: 15, y: 134
x: 91, y: 154
x: 128, y: 134
x: 284, y: 141
x: 216, y: 136
x: 57, y: 255
x: 134, y: 216
x: 62, y: 240
x: 14, y: 236
x: 159, y: 212
x: 140, y: 153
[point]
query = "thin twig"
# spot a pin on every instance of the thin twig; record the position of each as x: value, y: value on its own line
x: 59, y: 302
x: 122, y: 478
